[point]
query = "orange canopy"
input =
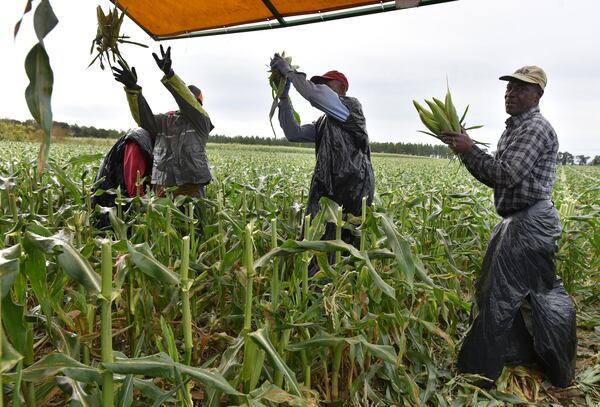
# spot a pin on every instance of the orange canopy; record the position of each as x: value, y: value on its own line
x: 166, y: 19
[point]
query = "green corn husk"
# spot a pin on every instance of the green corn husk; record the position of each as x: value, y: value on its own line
x: 443, y: 117
x: 277, y: 83
x: 108, y: 38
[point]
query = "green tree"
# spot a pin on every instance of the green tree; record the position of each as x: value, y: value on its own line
x: 566, y: 158
x: 582, y: 159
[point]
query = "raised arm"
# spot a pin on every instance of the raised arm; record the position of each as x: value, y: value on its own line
x: 291, y: 129
x: 319, y: 96
x: 140, y: 110
x: 189, y: 106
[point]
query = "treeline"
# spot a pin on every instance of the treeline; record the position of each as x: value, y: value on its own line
x: 29, y: 130
x: 566, y: 158
x: 255, y: 140
x: 85, y: 131
x: 427, y: 150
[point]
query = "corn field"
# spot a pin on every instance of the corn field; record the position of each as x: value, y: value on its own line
x: 178, y: 306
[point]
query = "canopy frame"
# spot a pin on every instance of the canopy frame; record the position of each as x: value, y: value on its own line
x: 279, y: 21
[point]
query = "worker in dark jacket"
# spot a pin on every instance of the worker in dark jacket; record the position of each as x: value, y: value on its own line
x: 127, y: 165
x: 180, y: 149
x: 343, y: 170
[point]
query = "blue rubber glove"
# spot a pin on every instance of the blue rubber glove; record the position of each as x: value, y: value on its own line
x: 281, y: 65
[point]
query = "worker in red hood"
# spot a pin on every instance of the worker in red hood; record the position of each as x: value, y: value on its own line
x: 127, y: 166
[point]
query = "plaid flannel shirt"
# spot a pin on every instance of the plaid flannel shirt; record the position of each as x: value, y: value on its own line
x: 523, y: 169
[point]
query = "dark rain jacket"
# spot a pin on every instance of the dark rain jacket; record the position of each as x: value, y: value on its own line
x: 181, y: 136
x: 343, y: 170
x: 111, y: 168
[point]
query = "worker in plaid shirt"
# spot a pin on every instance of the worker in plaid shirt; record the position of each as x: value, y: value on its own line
x: 521, y: 314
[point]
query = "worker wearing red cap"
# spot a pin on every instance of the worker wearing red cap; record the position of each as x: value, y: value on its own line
x: 343, y: 170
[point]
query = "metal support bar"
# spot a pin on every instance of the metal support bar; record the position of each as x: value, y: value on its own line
x: 275, y: 12
x: 402, y: 4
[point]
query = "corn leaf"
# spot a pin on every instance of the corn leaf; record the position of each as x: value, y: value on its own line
x: 274, y: 394
x: 262, y: 339
x: 407, y: 262
x: 161, y: 365
x: 44, y: 20
x: 384, y: 352
x: 79, y: 397
x: 9, y: 357
x: 27, y: 10
x: 60, y: 363
x: 70, y: 260
x: 9, y: 268
x: 322, y: 341
x: 434, y: 329
x: 38, y: 96
x: 142, y: 257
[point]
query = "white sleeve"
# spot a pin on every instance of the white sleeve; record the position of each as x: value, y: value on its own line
x: 320, y: 96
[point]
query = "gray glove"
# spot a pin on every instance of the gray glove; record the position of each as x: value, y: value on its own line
x: 281, y: 65
x: 286, y: 89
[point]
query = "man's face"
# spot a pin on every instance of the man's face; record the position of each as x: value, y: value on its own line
x: 521, y: 97
x: 337, y: 86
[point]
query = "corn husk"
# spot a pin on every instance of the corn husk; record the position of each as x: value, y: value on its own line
x: 108, y: 38
x: 442, y: 116
x: 277, y: 83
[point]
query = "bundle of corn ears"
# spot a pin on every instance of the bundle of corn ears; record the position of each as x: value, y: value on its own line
x: 108, y: 38
x: 443, y: 117
x: 277, y: 83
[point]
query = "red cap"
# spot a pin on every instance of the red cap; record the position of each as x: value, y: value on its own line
x: 329, y: 76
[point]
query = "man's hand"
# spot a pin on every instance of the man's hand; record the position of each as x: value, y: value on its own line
x: 281, y: 65
x: 164, y: 62
x: 458, y: 142
x: 125, y: 76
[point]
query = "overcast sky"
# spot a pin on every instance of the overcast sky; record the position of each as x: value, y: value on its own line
x: 389, y: 58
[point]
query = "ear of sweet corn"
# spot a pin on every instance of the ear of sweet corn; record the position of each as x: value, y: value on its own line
x: 277, y: 83
x: 439, y: 116
x: 108, y: 37
x: 430, y: 123
x: 421, y: 109
x: 442, y: 116
x: 451, y: 112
